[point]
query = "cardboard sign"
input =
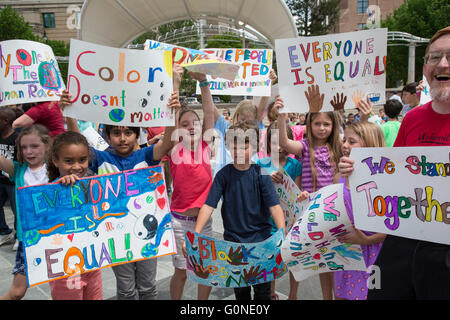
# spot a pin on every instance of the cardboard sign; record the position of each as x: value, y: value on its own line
x: 119, y: 86
x: 99, y: 222
x: 28, y: 73
x: 311, y: 247
x: 402, y: 191
x: 196, y: 60
x: 352, y: 64
x: 225, y: 264
x: 288, y: 192
x: 252, y: 78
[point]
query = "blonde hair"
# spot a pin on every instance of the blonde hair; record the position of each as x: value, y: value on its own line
x: 370, y: 133
x: 245, y: 107
x: 333, y: 142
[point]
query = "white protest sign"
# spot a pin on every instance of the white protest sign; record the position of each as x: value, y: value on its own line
x: 425, y: 95
x: 402, y: 191
x: 94, y: 139
x: 352, y: 64
x: 311, y: 246
x: 28, y: 73
x: 253, y: 75
x: 119, y: 86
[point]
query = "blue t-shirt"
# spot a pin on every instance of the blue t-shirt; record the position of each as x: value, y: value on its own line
x: 223, y: 156
x: 293, y: 167
x: 247, y: 197
x: 104, y: 162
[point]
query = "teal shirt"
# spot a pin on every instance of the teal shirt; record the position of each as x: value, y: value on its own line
x: 17, y: 178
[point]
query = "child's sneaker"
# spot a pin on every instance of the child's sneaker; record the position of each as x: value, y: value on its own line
x: 16, y: 245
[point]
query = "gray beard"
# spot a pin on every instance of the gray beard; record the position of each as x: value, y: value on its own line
x: 442, y: 94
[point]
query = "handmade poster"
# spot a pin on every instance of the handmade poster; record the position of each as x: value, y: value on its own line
x: 223, y: 264
x: 425, y: 95
x: 311, y: 246
x: 196, y: 60
x: 119, y: 86
x: 288, y: 192
x: 351, y: 65
x: 99, y: 222
x: 28, y: 73
x: 253, y: 75
x: 403, y: 191
x: 94, y: 139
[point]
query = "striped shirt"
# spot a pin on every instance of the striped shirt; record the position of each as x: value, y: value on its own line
x: 324, y: 169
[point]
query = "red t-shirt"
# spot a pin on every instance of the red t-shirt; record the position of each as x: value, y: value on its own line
x: 49, y: 115
x: 192, y: 176
x: 422, y: 126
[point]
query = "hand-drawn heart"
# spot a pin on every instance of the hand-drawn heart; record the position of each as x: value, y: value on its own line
x: 70, y: 237
x: 161, y: 189
x: 317, y: 256
x: 278, y: 259
x: 166, y: 244
x: 190, y: 237
x: 161, y: 203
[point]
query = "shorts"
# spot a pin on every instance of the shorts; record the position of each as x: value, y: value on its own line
x: 19, y: 266
x: 180, y: 224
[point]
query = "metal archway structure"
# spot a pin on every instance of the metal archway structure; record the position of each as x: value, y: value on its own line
x: 116, y: 23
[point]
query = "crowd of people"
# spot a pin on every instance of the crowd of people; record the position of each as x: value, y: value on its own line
x: 38, y: 146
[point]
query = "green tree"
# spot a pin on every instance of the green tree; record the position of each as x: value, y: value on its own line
x: 14, y: 26
x: 419, y: 18
x: 314, y: 17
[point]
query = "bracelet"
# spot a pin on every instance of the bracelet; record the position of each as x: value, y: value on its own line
x: 204, y: 83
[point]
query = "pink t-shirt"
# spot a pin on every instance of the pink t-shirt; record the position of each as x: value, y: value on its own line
x: 192, y: 176
x: 49, y: 115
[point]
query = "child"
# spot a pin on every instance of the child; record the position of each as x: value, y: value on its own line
x: 7, y: 191
x: 30, y: 169
x: 134, y: 280
x: 191, y: 170
x: 392, y: 108
x: 352, y: 285
x: 322, y: 130
x: 249, y: 199
x: 293, y: 168
x: 245, y: 111
x: 70, y: 161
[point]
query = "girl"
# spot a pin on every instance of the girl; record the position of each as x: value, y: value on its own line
x: 352, y: 285
x: 319, y: 154
x: 32, y: 144
x: 293, y: 167
x: 191, y: 172
x: 70, y: 160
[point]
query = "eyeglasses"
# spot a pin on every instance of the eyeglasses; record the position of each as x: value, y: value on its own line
x: 436, y: 57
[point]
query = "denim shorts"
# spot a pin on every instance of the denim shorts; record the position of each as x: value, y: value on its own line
x: 19, y: 266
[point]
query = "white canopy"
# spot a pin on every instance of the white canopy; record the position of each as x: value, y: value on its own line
x: 116, y: 23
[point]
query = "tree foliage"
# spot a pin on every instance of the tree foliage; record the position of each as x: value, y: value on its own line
x: 419, y: 18
x: 314, y: 17
x: 14, y: 26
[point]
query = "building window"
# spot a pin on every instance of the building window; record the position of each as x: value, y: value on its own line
x: 49, y: 20
x: 362, y: 6
x: 362, y: 26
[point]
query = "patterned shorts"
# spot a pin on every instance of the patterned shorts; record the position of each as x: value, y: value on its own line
x: 19, y: 266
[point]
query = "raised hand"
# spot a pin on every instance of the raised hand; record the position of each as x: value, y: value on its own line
x: 272, y: 76
x: 357, y: 96
x: 365, y: 109
x: 338, y: 101
x: 65, y: 99
x: 177, y: 73
x: 315, y: 99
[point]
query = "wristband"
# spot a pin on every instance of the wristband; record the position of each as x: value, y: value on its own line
x: 204, y: 83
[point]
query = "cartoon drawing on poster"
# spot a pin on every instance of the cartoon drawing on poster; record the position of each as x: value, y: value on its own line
x: 343, y: 67
x: 119, y: 86
x: 417, y: 209
x: 99, y: 222
x: 28, y: 73
x: 196, y: 60
x: 253, y: 75
x: 311, y: 246
x: 223, y: 264
x: 288, y: 192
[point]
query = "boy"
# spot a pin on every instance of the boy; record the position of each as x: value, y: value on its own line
x: 249, y: 199
x: 392, y: 108
x: 7, y: 190
x: 134, y: 280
